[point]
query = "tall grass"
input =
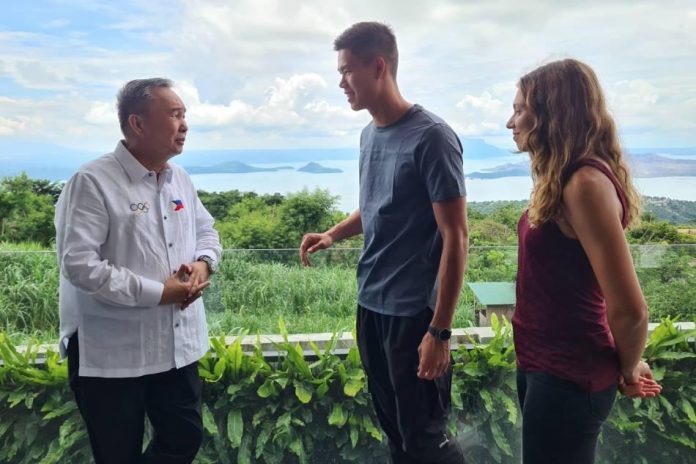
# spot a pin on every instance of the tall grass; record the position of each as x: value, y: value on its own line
x: 28, y: 290
x: 254, y: 288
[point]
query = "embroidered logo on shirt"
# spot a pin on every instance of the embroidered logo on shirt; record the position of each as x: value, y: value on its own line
x: 177, y: 205
x: 143, y: 207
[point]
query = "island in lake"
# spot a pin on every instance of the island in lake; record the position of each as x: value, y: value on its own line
x: 316, y: 168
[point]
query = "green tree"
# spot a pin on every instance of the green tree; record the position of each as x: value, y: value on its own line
x: 304, y: 212
x: 653, y: 231
x: 251, y: 223
x: 27, y: 209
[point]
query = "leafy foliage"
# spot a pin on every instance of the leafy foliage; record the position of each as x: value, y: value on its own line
x: 26, y: 209
x: 314, y: 407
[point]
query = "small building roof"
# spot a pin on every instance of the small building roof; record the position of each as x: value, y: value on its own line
x: 493, y: 293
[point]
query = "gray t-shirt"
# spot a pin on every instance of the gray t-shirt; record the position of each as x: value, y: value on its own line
x: 404, y: 168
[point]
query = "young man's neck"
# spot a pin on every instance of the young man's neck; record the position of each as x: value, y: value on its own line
x: 389, y: 108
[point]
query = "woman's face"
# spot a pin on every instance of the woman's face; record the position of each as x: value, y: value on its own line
x: 521, y: 122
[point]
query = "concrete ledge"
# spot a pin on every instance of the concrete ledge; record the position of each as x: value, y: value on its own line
x: 344, y: 341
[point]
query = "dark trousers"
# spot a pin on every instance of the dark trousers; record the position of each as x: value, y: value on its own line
x: 114, y: 411
x: 412, y: 412
x: 560, y: 421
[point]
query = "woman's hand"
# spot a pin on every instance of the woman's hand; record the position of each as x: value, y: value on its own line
x: 639, y: 383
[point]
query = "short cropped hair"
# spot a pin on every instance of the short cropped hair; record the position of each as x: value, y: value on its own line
x: 367, y: 40
x: 134, y: 96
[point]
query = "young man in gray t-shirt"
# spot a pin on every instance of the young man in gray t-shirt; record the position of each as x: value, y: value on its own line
x: 413, y: 217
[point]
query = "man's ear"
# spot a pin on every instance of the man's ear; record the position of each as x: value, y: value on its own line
x: 380, y: 67
x: 135, y: 122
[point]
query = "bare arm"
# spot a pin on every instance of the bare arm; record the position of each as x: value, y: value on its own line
x: 311, y: 242
x: 593, y: 211
x: 451, y: 221
x: 452, y: 224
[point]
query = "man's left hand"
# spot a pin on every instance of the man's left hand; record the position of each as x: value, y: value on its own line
x: 434, y: 357
x: 199, y: 275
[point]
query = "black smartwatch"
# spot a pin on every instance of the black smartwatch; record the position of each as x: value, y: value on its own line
x: 441, y: 334
x: 208, y: 262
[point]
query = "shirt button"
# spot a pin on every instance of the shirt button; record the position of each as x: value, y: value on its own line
x: 170, y: 245
x: 149, y: 174
x: 165, y: 218
x: 176, y: 325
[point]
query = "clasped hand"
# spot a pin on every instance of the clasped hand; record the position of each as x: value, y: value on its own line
x: 186, y: 285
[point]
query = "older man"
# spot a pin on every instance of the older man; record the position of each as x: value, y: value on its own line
x: 136, y: 248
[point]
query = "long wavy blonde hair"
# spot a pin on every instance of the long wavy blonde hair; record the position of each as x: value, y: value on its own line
x: 571, y: 123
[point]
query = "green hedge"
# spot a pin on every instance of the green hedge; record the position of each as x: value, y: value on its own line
x: 316, y: 409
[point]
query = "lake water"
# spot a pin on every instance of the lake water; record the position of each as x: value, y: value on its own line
x: 345, y: 184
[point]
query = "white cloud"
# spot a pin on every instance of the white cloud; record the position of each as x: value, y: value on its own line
x: 480, y: 115
x: 103, y: 113
x: 263, y: 71
x: 633, y: 97
x: 281, y: 107
x: 10, y: 126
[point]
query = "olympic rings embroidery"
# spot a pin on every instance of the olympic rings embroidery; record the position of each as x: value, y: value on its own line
x: 140, y: 207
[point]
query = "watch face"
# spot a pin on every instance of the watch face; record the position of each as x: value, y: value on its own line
x: 445, y: 334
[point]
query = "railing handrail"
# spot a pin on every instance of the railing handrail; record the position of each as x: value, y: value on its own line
x: 341, y: 249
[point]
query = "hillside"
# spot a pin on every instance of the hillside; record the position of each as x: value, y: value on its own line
x: 678, y: 212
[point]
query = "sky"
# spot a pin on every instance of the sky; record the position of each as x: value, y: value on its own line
x: 262, y: 73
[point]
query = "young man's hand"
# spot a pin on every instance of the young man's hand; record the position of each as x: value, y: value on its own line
x: 313, y: 242
x: 434, y: 357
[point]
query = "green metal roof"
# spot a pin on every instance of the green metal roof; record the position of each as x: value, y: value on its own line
x: 493, y: 293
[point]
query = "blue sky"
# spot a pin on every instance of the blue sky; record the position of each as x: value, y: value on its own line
x: 262, y: 73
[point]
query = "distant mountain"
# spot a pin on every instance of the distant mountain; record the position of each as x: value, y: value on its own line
x: 230, y: 167
x: 674, y: 211
x: 42, y: 160
x: 520, y: 169
x: 55, y: 162
x: 317, y: 168
x: 652, y: 165
x: 682, y: 151
x: 213, y: 157
x: 642, y: 165
x: 479, y: 149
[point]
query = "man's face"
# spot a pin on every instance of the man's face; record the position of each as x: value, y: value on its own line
x: 358, y: 80
x: 164, y: 124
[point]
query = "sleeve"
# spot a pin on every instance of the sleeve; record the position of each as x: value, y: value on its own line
x: 207, y: 238
x: 439, y: 163
x: 82, y: 226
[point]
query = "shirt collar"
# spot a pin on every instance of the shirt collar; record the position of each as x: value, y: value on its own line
x: 135, y: 170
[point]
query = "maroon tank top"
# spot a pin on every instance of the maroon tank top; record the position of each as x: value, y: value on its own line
x: 560, y: 320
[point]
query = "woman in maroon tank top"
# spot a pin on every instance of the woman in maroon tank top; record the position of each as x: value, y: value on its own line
x: 580, y: 322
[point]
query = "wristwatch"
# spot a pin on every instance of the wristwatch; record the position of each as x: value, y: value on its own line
x: 210, y: 262
x: 441, y: 334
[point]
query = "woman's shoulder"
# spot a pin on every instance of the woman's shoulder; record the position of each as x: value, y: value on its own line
x: 587, y: 180
x: 589, y: 188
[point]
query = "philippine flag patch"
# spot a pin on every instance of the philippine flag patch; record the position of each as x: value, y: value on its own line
x: 177, y: 205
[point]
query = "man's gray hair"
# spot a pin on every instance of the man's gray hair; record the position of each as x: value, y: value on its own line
x: 134, y: 96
